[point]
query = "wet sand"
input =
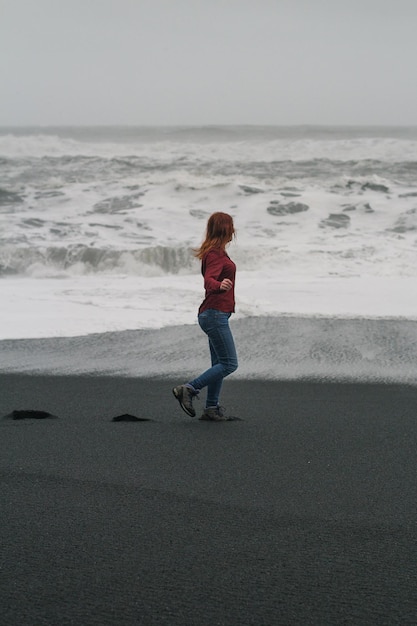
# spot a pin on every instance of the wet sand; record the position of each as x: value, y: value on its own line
x: 303, y: 513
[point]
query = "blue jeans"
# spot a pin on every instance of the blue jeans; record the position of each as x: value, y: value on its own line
x: 223, y: 354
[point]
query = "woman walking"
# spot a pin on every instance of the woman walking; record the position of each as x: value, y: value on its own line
x: 213, y: 317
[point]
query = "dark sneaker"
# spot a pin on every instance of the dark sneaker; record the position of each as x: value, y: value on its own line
x: 215, y: 414
x: 185, y: 397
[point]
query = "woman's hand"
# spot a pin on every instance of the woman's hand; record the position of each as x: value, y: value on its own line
x: 226, y: 284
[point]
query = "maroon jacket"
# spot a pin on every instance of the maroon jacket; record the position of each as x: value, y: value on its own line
x: 215, y: 266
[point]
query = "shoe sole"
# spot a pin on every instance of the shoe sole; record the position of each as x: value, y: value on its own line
x: 230, y: 418
x: 214, y: 419
x: 178, y: 396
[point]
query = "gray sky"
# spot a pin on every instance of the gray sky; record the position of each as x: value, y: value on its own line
x: 151, y: 62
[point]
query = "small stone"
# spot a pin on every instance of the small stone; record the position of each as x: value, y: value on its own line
x: 126, y: 417
x: 29, y: 414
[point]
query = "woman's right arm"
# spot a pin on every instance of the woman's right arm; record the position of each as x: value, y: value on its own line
x: 212, y: 273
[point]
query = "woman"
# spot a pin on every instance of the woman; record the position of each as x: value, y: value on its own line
x: 213, y: 316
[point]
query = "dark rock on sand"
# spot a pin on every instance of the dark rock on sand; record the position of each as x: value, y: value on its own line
x: 126, y: 417
x: 29, y: 414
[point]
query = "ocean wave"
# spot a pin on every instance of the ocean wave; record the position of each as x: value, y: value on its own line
x: 9, y: 197
x: 158, y: 260
x: 222, y: 144
x: 343, y: 256
x: 198, y: 173
x: 82, y: 259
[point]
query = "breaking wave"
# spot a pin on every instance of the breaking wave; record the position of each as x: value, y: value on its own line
x: 80, y: 259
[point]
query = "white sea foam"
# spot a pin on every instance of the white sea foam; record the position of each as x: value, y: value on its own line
x: 97, y: 226
x: 89, y: 304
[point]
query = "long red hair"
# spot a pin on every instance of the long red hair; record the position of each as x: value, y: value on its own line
x: 220, y: 231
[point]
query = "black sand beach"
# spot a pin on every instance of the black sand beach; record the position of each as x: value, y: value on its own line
x: 303, y: 513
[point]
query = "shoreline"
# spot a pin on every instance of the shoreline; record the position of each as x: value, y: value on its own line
x: 269, y: 348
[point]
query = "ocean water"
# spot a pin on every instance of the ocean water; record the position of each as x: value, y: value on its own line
x: 97, y: 225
